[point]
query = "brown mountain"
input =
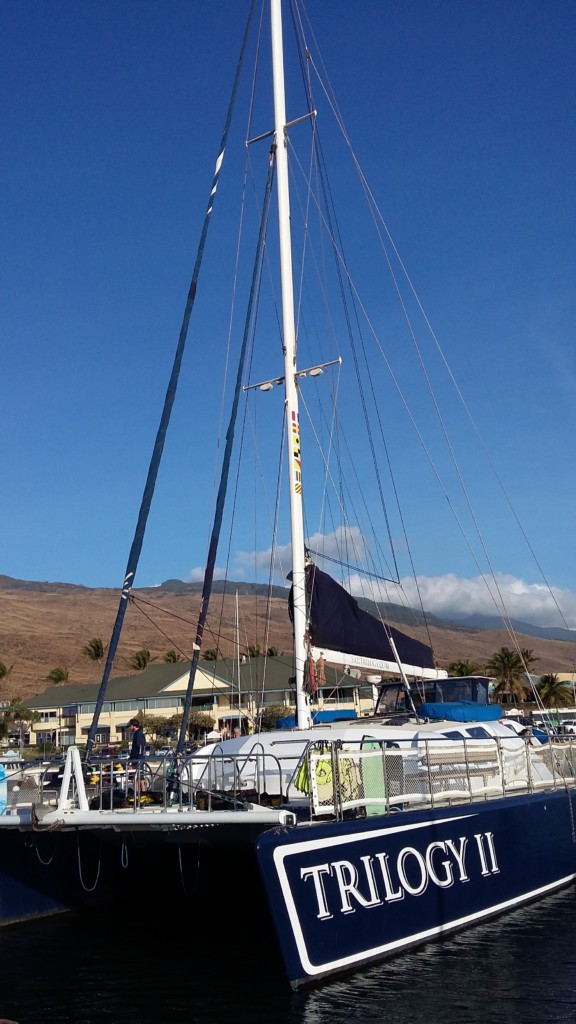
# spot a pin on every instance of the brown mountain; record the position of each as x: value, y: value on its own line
x: 46, y: 625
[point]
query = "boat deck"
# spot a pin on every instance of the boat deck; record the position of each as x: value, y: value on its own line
x: 261, y: 788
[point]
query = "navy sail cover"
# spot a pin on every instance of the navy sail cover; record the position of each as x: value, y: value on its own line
x: 337, y: 622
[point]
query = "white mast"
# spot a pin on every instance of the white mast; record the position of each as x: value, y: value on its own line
x: 289, y: 338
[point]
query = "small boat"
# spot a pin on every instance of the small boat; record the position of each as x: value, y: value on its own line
x: 366, y: 837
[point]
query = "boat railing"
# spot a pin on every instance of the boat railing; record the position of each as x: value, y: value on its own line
x: 256, y: 775
x: 21, y: 786
x: 374, y: 778
x: 112, y: 784
x: 215, y: 781
x: 103, y: 784
x: 329, y: 780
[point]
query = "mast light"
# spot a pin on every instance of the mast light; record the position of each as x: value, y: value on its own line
x: 310, y: 371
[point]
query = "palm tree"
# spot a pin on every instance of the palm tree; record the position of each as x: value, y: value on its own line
x: 553, y: 693
x: 140, y: 660
x: 508, y: 669
x: 172, y: 657
x: 58, y: 675
x: 94, y: 649
x: 528, y: 657
x: 18, y: 715
x: 464, y: 668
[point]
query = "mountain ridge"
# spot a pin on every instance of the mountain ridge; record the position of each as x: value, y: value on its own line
x: 388, y: 610
x: 46, y: 625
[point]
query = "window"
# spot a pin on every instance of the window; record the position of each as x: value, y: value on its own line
x: 474, y: 732
x: 477, y: 732
x: 333, y: 695
x: 206, y: 703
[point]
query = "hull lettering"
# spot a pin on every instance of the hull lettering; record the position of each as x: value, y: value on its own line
x: 344, y: 886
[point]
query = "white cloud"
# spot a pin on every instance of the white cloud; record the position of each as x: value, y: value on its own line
x: 197, y: 575
x: 530, y: 602
x: 447, y: 596
x: 330, y: 544
x: 343, y: 539
x: 258, y: 562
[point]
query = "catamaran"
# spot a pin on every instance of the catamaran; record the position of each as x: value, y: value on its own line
x: 367, y: 836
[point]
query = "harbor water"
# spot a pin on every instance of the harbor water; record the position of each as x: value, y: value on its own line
x: 144, y: 965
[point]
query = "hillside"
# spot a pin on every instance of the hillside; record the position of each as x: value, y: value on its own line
x: 46, y: 625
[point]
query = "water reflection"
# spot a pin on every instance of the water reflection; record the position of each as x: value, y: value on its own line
x: 520, y: 969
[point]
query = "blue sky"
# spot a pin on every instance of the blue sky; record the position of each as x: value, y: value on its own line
x: 463, y: 118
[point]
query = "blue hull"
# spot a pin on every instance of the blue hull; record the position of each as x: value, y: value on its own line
x: 48, y: 873
x: 44, y: 872
x: 347, y: 893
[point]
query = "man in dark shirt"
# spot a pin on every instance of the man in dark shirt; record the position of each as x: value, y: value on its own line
x: 138, y: 748
x: 137, y: 753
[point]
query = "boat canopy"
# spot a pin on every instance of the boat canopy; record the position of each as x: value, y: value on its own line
x: 449, y: 690
x: 461, y: 711
x: 318, y: 718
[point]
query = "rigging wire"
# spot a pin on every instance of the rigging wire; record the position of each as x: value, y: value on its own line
x: 353, y: 568
x: 135, y: 550
x: 331, y: 219
x: 262, y: 215
x: 377, y: 215
x: 499, y: 607
x: 223, y: 486
x: 340, y: 259
x: 152, y: 622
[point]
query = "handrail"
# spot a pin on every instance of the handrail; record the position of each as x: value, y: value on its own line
x: 357, y: 778
x: 435, y: 770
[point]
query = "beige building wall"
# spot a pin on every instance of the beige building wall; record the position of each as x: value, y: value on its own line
x: 222, y: 706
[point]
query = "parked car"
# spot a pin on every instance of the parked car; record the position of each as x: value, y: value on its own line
x: 124, y: 754
x: 164, y: 752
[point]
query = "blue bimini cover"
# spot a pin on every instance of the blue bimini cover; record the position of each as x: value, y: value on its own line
x: 318, y: 717
x: 288, y: 722
x: 461, y: 711
x: 332, y: 716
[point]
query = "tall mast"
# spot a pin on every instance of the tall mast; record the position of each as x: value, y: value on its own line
x: 289, y: 340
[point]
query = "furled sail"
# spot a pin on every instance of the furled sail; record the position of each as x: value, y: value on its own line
x: 338, y: 626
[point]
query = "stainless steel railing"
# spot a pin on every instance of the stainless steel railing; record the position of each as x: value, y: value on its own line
x: 374, y: 779
x: 328, y: 780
